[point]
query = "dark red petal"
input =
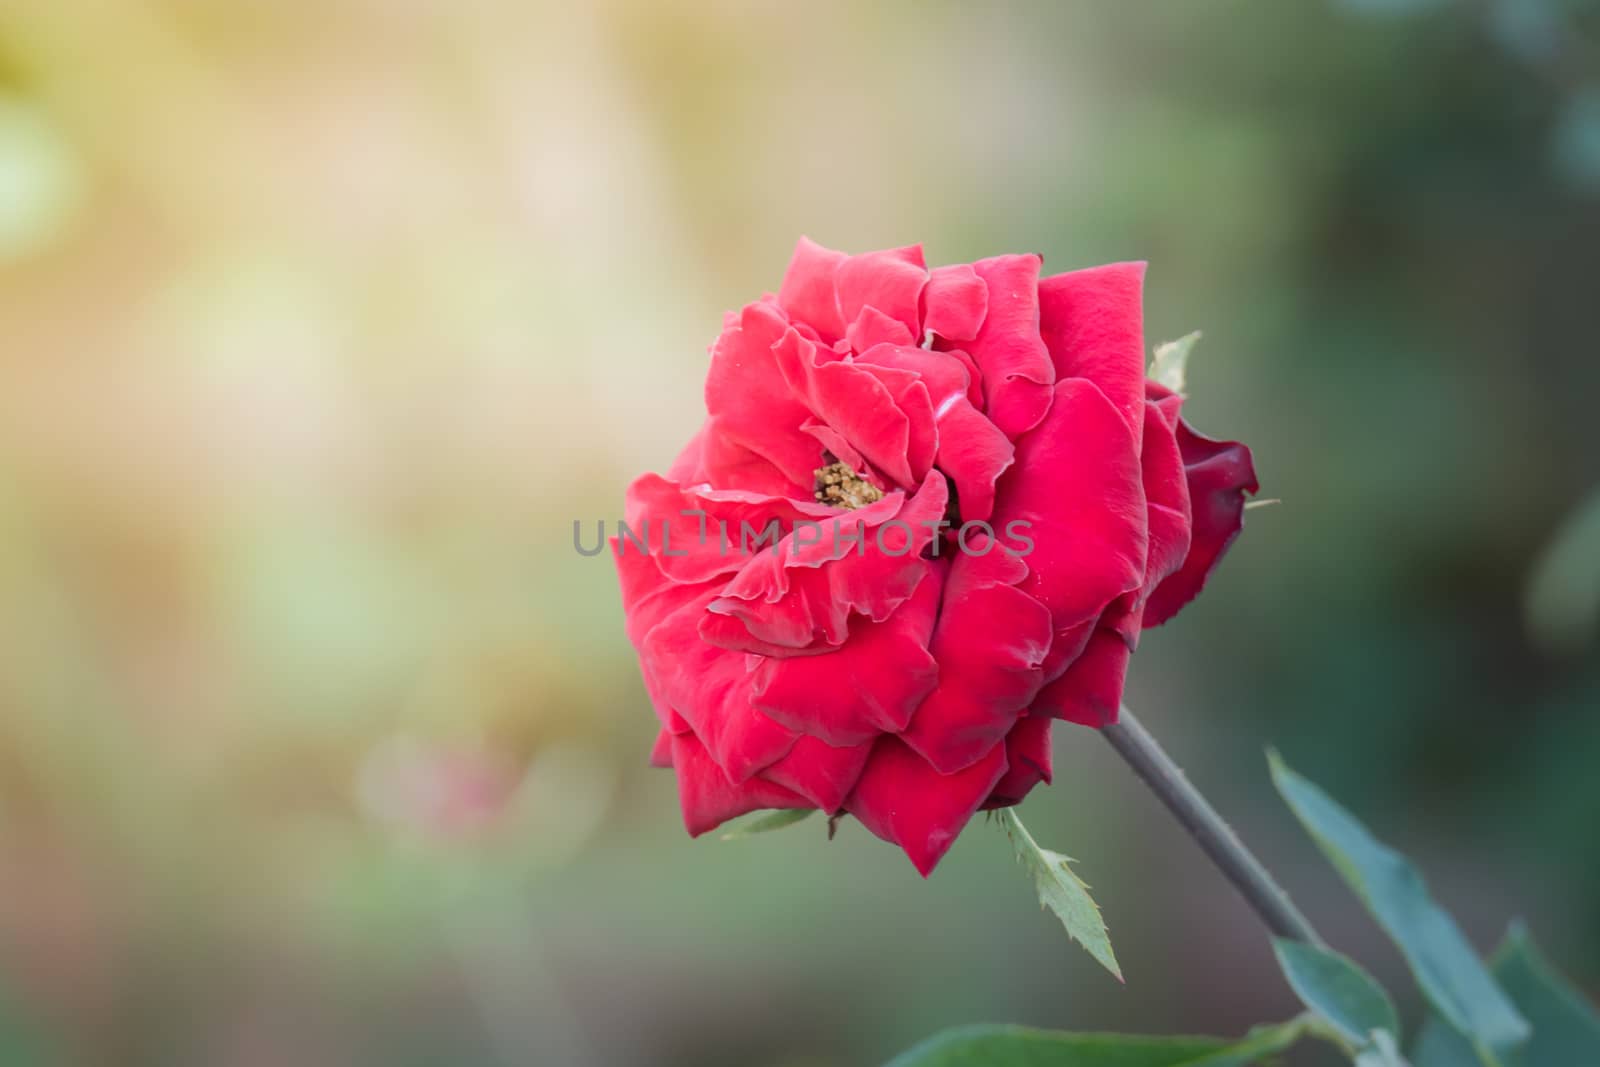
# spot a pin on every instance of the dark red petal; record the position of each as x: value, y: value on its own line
x: 903, y: 800
x: 1078, y: 485
x: 1093, y: 322
x: 808, y: 292
x: 955, y: 302
x: 890, y: 281
x: 870, y: 685
x: 1017, y: 372
x: 821, y: 773
x: 1090, y: 692
x: 989, y: 643
x: 1219, y: 474
x: 710, y: 798
x: 1028, y: 761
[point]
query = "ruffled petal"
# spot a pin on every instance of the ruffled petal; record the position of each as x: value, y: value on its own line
x: 974, y: 453
x: 1093, y: 324
x: 970, y: 448
x: 851, y: 400
x: 890, y: 281
x: 710, y: 688
x: 990, y: 641
x: 903, y: 800
x: 955, y: 302
x: 802, y: 593
x: 710, y: 798
x: 808, y: 292
x: 868, y: 686
x: 1017, y: 372
x: 872, y: 327
x: 753, y: 412
x: 695, y: 534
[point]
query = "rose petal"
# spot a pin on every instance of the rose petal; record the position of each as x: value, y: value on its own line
x: 1219, y: 475
x: 903, y: 800
x: 1166, y: 490
x: 1093, y: 323
x: 821, y: 773
x: 709, y: 798
x: 751, y: 408
x: 955, y: 302
x: 710, y: 688
x: 1017, y: 372
x: 1078, y: 486
x: 868, y: 686
x: 989, y: 643
x: 803, y: 592
x: 1027, y: 762
x: 873, y: 327
x: 1090, y: 692
x: 890, y: 281
x: 808, y: 292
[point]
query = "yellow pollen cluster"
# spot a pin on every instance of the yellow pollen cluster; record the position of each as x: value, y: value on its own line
x: 839, y: 486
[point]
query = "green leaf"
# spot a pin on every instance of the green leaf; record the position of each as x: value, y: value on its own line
x: 1448, y: 971
x: 767, y: 821
x: 1566, y: 1029
x: 1172, y: 362
x: 1338, y: 990
x: 1021, y: 1046
x: 1381, y: 1051
x: 1063, y: 892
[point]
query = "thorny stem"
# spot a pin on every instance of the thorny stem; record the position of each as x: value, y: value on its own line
x: 1215, y: 837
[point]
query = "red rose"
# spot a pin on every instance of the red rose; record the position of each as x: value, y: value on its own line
x: 868, y: 659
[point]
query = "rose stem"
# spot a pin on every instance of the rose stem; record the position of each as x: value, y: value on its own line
x: 1150, y: 761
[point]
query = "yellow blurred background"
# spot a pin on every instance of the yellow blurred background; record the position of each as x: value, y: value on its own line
x: 321, y: 323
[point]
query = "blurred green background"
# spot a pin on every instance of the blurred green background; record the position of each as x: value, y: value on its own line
x: 320, y: 323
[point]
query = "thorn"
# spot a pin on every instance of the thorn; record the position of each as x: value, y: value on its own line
x: 1267, y: 503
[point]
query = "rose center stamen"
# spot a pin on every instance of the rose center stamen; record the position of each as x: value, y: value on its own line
x: 838, y: 486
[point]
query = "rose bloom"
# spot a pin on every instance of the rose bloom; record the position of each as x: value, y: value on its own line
x: 980, y: 502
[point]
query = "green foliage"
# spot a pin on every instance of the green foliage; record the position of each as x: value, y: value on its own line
x: 1343, y: 995
x: 1566, y: 1029
x: 1456, y: 983
x: 768, y: 821
x: 1020, y: 1046
x: 1063, y: 892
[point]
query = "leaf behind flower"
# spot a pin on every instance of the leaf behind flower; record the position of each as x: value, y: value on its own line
x: 1171, y: 364
x: 768, y: 821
